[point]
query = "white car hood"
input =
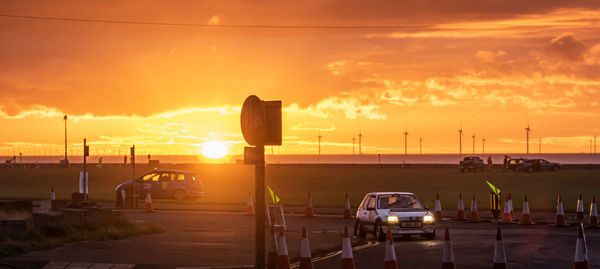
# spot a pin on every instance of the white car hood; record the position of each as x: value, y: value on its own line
x: 402, y: 215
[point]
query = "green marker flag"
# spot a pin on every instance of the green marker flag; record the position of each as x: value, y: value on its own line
x: 494, y: 189
x: 274, y: 197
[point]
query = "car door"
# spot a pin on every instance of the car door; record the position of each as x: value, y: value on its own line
x: 148, y: 181
x: 371, y: 209
x: 162, y: 187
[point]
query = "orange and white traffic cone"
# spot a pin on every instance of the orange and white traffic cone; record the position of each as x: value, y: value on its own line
x: 526, y: 217
x: 460, y: 209
x: 499, y: 254
x: 148, y: 201
x: 283, y: 259
x: 581, y: 254
x: 448, y: 253
x: 580, y: 213
x: 305, y: 262
x: 506, y: 216
x: 510, y: 205
x: 593, y: 214
x: 347, y: 214
x: 250, y: 205
x: 438, y: 208
x: 474, y: 214
x: 52, y: 195
x: 347, y: 257
x: 309, y: 207
x: 389, y: 260
x: 273, y: 252
x: 560, y: 214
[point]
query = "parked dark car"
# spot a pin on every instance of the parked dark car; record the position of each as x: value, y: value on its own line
x: 163, y: 184
x: 514, y: 163
x: 471, y: 163
x: 532, y: 165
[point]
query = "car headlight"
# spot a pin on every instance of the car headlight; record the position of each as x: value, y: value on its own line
x: 428, y: 219
x: 392, y: 219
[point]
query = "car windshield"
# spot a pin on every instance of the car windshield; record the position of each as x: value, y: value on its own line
x: 398, y: 201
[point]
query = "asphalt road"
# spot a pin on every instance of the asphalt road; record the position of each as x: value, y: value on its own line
x: 537, y: 246
x: 203, y: 238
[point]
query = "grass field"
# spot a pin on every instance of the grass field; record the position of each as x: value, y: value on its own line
x: 230, y: 184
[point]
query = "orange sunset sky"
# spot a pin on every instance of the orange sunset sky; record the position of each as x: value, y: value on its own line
x: 488, y: 66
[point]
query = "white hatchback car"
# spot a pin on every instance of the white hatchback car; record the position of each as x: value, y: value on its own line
x: 400, y: 211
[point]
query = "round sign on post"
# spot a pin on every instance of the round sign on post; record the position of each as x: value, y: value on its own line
x: 253, y: 120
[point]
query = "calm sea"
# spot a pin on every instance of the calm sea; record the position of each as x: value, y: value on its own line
x: 565, y: 158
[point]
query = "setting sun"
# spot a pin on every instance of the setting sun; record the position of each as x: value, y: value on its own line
x: 214, y: 150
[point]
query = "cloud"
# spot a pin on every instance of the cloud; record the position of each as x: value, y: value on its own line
x: 353, y: 107
x: 488, y: 56
x: 566, y: 47
x: 313, y: 127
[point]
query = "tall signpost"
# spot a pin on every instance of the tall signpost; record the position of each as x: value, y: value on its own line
x: 86, y: 153
x: 261, y: 126
x: 132, y: 149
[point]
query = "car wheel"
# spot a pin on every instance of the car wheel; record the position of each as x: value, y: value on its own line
x: 556, y: 168
x: 378, y: 231
x: 358, y: 230
x: 179, y: 195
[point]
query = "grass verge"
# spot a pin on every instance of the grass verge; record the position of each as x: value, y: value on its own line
x: 54, y: 236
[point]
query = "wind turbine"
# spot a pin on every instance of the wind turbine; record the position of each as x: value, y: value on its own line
x: 528, y: 130
x: 353, y: 142
x: 420, y: 145
x: 360, y: 136
x: 473, y: 143
x: 594, y: 144
x: 460, y: 134
x: 320, y: 136
x: 405, y: 141
x: 540, y: 145
x: 483, y: 140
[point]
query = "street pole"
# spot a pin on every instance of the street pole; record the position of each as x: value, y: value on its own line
x: 259, y: 185
x: 133, y: 176
x: 66, y: 160
x: 85, y: 150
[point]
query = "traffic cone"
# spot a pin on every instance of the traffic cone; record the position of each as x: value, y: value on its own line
x: 272, y: 255
x: 580, y: 213
x: 52, y: 195
x: 499, y: 254
x: 581, y: 254
x: 526, y: 217
x: 250, y: 205
x: 593, y: 214
x: 506, y: 216
x: 389, y: 260
x: 305, y: 262
x: 438, y: 208
x: 560, y: 214
x: 148, y: 201
x: 448, y: 253
x: 347, y: 257
x: 474, y: 214
x: 347, y: 214
x: 309, y: 207
x: 510, y: 205
x: 460, y: 210
x: 283, y: 259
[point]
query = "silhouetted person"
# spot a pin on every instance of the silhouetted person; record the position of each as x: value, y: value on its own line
x: 149, y: 157
x: 505, y: 162
x: 125, y: 160
x: 490, y: 163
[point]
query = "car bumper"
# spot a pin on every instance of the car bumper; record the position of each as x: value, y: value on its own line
x: 399, y: 230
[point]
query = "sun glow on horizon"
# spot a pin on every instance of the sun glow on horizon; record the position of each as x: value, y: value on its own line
x: 214, y: 150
